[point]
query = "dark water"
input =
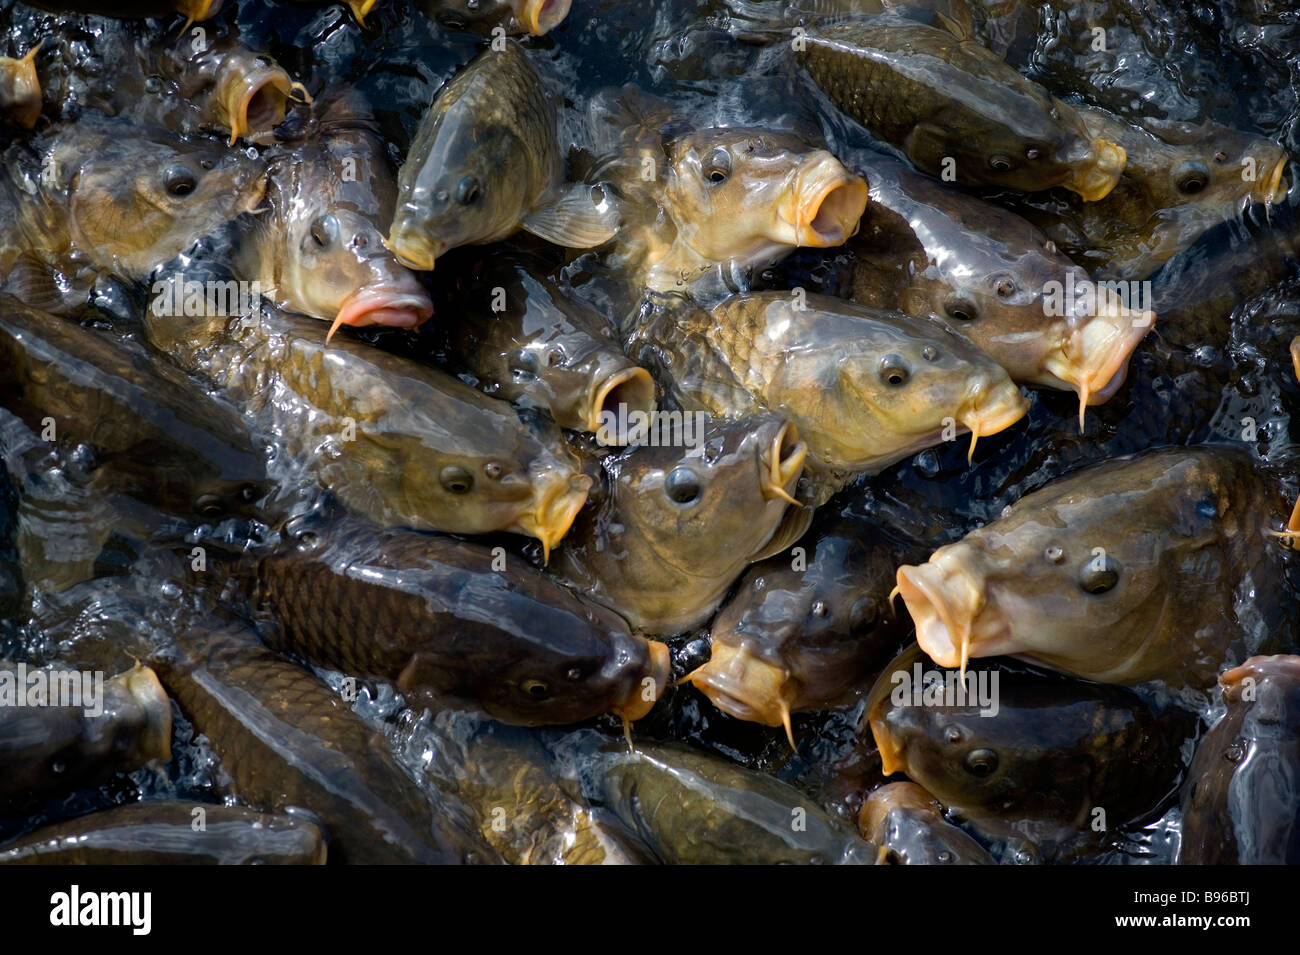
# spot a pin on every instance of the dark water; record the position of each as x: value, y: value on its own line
x: 1189, y: 384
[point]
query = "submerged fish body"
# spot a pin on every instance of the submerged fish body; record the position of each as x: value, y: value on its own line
x: 946, y: 101
x: 1124, y: 572
x: 802, y: 633
x: 320, y: 249
x: 397, y: 441
x: 1028, y: 747
x: 134, y: 423
x: 991, y: 276
x: 542, y: 347
x: 866, y: 387
x: 1241, y: 800
x: 442, y: 616
x: 908, y: 824
x: 694, y: 809
x: 63, y: 729
x: 118, y: 198
x: 167, y: 833
x: 710, y: 206
x: 1180, y: 180
x: 676, y: 523
x: 485, y: 163
x: 286, y: 739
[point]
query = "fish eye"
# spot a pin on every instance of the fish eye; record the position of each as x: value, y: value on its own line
x: 999, y: 162
x: 537, y: 689
x: 1099, y: 575
x: 960, y: 308
x: 682, y: 486
x: 179, y: 181
x: 894, y: 371
x: 1191, y: 178
x: 456, y: 479
x: 325, y: 230
x: 717, y: 168
x: 467, y: 191
x: 981, y: 762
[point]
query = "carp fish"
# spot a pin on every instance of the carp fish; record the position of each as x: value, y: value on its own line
x: 908, y: 825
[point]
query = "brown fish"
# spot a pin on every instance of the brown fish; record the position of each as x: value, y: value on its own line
x: 1241, y: 801
x: 908, y: 824
x: 533, y: 344
x: 63, y: 730
x: 534, y: 17
x: 676, y: 522
x: 168, y: 833
x: 994, y: 278
x: 443, y: 616
x: 1123, y: 572
x: 320, y: 248
x: 866, y: 387
x: 397, y: 441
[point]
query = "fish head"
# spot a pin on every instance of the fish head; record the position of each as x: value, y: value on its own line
x: 570, y: 674
x: 471, y: 184
x: 889, y: 797
x: 252, y: 92
x: 534, y: 17
x: 918, y: 379
x: 20, y: 89
x: 715, y: 501
x: 1270, y: 686
x: 1079, y: 575
x: 585, y: 386
x: 144, y: 199
x: 741, y: 194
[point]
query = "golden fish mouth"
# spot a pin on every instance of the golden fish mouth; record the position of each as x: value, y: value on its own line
x: 660, y: 670
x: 1094, y: 358
x: 156, y: 741
x: 258, y: 100
x: 783, y: 464
x: 830, y: 207
x: 26, y: 86
x: 197, y: 10
x: 1271, y: 189
x: 413, y: 250
x: 743, y: 686
x: 1295, y: 356
x: 891, y: 750
x: 632, y: 388
x: 990, y: 410
x: 557, y: 502
x: 944, y: 604
x: 1256, y: 669
x: 542, y: 16
x: 1098, y: 178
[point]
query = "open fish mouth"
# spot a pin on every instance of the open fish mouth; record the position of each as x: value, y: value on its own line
x: 1094, y: 358
x: 946, y: 602
x: 782, y: 464
x: 1271, y: 187
x: 380, y: 306
x: 1097, y: 178
x: 542, y: 16
x: 743, y: 686
x: 560, y: 496
x: 413, y: 250
x: 632, y: 388
x: 890, y: 747
x: 156, y: 740
x: 658, y: 672
x: 990, y: 410
x: 257, y: 100
x: 831, y: 202
x: 24, y: 89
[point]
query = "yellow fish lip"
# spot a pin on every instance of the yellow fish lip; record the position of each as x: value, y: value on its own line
x: 413, y: 250
x: 1098, y: 178
x: 830, y: 202
x: 26, y: 86
x: 992, y: 409
x: 143, y: 685
x: 360, y: 8
x: 944, y: 603
x: 557, y: 500
x: 742, y: 685
x: 541, y: 16
x: 1094, y: 357
x: 630, y: 387
x: 257, y: 101
x: 659, y: 672
x: 1270, y: 189
x: 782, y: 464
x: 891, y: 750
x: 1295, y: 356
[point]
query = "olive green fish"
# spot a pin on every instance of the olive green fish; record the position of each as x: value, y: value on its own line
x: 486, y: 162
x: 168, y: 833
x: 956, y: 109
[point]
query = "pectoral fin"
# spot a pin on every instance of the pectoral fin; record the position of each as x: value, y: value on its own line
x: 582, y: 217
